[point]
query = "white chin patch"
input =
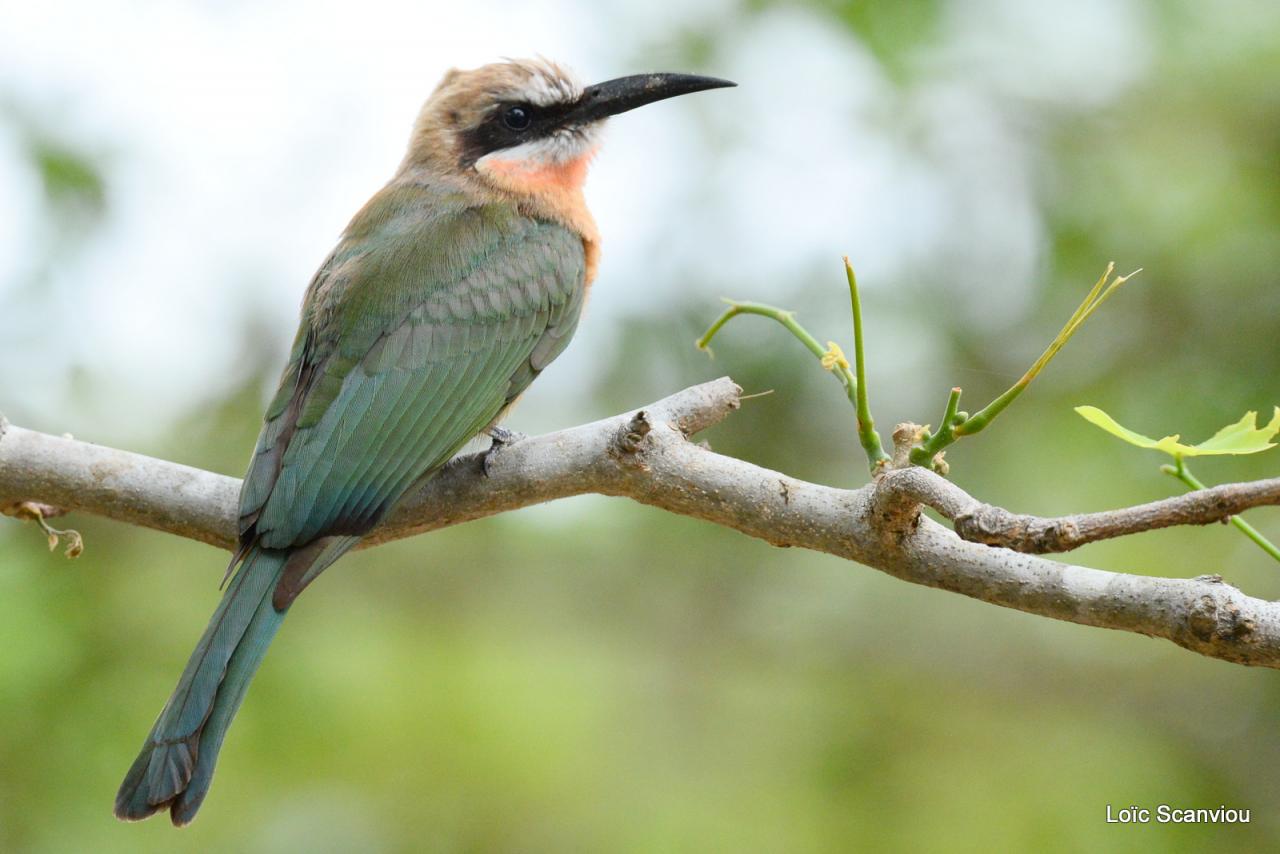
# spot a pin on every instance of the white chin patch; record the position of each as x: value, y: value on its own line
x: 564, y: 146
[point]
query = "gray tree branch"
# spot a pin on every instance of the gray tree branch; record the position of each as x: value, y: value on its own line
x: 995, y: 526
x: 646, y: 456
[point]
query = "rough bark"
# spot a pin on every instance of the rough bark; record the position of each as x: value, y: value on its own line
x: 646, y: 456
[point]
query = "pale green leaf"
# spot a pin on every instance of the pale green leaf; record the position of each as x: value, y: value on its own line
x: 1242, y: 437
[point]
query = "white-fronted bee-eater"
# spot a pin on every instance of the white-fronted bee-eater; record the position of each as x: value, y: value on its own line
x: 447, y: 294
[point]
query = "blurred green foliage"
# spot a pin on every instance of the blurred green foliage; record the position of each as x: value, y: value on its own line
x: 893, y: 32
x: 596, y: 675
x: 71, y: 184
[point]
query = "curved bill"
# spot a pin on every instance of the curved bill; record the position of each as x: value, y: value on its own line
x: 626, y: 93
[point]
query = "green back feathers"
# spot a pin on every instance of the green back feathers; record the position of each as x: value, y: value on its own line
x: 431, y: 314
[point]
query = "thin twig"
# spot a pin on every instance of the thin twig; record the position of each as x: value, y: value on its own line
x: 1182, y: 473
x: 867, y: 436
x: 830, y: 357
x: 947, y: 434
x: 995, y: 526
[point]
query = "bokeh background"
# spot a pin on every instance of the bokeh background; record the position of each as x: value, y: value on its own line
x: 595, y: 675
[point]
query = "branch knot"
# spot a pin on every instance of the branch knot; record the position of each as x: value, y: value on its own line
x: 995, y: 526
x: 632, y: 434
x: 1211, y: 619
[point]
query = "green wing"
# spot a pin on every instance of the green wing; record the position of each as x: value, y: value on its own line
x: 431, y: 315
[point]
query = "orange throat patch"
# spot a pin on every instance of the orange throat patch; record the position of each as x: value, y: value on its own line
x: 533, y: 176
x: 552, y: 190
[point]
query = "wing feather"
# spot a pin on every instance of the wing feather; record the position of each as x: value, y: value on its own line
x: 410, y: 355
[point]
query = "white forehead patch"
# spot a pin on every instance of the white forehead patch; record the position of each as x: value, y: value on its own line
x: 548, y: 83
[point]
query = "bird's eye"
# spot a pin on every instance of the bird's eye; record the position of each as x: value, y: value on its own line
x: 516, y: 118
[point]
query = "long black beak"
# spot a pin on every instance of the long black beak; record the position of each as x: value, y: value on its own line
x: 626, y: 93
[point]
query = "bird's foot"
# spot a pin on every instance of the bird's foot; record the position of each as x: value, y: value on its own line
x: 502, y: 437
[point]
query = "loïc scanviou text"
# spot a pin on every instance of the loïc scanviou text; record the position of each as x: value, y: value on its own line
x: 1167, y: 814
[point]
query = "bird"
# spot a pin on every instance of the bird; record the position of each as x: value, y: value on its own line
x: 446, y: 295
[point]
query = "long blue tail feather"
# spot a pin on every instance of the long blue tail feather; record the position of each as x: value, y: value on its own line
x: 244, y: 663
x: 176, y: 764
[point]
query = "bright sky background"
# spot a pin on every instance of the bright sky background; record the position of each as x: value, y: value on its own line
x: 239, y: 138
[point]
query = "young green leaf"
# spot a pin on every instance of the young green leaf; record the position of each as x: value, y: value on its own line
x: 1242, y: 437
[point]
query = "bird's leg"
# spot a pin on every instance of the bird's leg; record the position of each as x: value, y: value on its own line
x: 502, y: 437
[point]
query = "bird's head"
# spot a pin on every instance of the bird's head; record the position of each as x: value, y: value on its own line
x: 529, y: 126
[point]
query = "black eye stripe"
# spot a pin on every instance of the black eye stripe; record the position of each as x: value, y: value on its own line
x: 497, y: 130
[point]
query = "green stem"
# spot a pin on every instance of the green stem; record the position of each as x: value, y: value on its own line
x: 788, y: 320
x: 923, y: 454
x: 1098, y: 294
x: 948, y: 433
x: 984, y: 416
x: 953, y: 405
x: 1182, y: 473
x: 838, y: 365
x: 867, y: 435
